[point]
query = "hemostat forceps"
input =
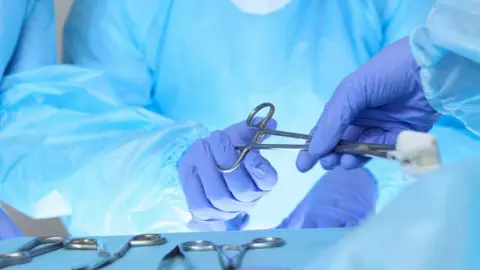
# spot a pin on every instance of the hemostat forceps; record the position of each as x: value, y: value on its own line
x: 141, y: 240
x: 233, y: 263
x: 355, y: 148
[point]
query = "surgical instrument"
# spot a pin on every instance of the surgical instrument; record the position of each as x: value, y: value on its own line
x: 355, y: 148
x: 233, y: 263
x: 141, y: 240
x: 85, y: 244
x: 31, y: 249
x: 166, y: 261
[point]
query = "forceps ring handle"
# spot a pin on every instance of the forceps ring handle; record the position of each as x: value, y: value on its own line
x: 265, y: 120
x: 256, y: 139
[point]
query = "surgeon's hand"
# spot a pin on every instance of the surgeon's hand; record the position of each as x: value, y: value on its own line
x: 372, y: 105
x: 214, y: 197
x: 341, y: 198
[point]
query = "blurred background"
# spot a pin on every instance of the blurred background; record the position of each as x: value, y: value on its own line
x: 52, y: 226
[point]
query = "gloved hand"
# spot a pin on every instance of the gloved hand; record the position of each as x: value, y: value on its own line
x: 214, y: 197
x: 372, y: 105
x: 8, y: 229
x: 341, y: 198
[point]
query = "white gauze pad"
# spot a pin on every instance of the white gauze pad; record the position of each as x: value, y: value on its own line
x: 418, y: 152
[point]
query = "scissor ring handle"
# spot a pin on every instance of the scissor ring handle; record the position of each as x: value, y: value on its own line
x: 50, y: 239
x: 198, y: 245
x: 14, y: 258
x: 82, y: 244
x: 148, y: 239
x: 267, y: 242
x: 265, y: 120
x: 40, y: 241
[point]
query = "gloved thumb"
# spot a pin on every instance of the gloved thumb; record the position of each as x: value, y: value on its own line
x: 345, y: 105
x: 242, y: 134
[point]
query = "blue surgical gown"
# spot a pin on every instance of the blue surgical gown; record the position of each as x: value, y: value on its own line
x: 103, y: 142
x: 447, y: 48
x: 27, y: 34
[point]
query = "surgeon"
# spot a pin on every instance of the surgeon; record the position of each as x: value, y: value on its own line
x: 405, y: 86
x: 131, y: 144
x: 27, y: 42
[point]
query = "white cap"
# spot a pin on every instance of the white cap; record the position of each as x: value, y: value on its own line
x: 418, y: 152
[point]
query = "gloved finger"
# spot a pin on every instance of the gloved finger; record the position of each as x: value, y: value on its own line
x: 238, y: 182
x: 350, y: 162
x: 214, y: 184
x: 343, y: 197
x: 242, y: 134
x: 200, y: 207
x: 261, y: 171
x: 379, y: 136
x: 332, y: 160
x: 346, y: 103
x: 198, y: 204
x: 305, y: 161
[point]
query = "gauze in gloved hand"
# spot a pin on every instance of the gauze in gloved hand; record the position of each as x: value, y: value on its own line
x: 214, y: 197
x: 372, y: 105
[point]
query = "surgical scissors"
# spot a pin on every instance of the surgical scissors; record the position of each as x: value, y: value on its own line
x: 355, y: 148
x: 31, y: 249
x: 141, y: 240
x: 233, y: 263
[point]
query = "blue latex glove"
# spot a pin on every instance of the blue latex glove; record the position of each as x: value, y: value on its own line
x: 341, y: 198
x: 8, y: 229
x: 213, y: 197
x: 373, y: 105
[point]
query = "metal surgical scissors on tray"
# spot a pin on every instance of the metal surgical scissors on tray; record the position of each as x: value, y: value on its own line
x: 234, y: 262
x: 355, y: 148
x: 31, y: 249
x: 141, y: 240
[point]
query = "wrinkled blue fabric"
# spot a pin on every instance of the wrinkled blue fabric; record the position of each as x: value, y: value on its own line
x: 8, y: 229
x: 432, y: 225
x: 27, y: 34
x: 214, y: 197
x: 64, y: 144
x: 341, y: 198
x: 118, y: 141
x: 372, y: 105
x: 447, y: 49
